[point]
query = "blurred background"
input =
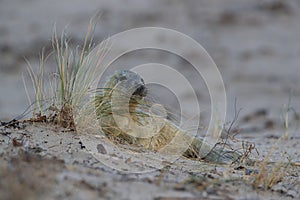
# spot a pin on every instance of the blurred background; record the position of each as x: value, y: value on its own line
x: 255, y: 44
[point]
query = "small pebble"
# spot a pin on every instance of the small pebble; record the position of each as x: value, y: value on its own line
x: 101, y: 149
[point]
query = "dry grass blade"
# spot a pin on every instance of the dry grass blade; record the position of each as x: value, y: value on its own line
x: 37, y: 80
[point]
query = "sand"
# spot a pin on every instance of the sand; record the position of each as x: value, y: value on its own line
x: 255, y: 46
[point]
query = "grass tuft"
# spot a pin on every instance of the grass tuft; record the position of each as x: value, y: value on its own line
x: 268, y: 176
x: 71, y: 84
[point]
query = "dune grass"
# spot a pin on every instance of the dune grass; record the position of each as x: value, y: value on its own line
x: 75, y: 76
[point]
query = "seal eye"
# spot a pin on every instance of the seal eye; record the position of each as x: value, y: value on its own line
x: 122, y: 78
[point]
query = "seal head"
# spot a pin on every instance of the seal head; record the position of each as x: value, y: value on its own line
x: 131, y: 81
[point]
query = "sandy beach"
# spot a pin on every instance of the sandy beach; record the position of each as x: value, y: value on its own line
x: 255, y: 45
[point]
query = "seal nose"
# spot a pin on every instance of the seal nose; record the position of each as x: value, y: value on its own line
x: 141, y: 91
